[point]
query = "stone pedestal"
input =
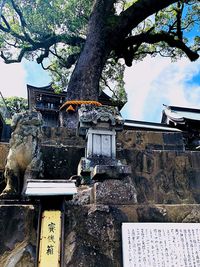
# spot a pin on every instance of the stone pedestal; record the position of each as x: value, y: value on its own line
x: 110, y: 171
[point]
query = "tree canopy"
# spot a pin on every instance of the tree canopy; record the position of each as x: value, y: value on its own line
x: 85, y: 43
x: 16, y: 104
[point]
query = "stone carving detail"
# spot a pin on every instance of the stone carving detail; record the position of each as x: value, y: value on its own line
x: 24, y: 158
x: 90, y: 115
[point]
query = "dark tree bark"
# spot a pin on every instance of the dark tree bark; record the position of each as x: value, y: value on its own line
x: 84, y: 82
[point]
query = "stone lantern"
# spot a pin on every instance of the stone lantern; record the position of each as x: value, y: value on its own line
x: 98, y: 124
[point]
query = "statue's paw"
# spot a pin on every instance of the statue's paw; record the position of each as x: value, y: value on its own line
x: 8, y: 193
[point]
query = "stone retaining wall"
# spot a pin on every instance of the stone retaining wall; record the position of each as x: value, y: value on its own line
x: 92, y: 233
x: 163, y: 187
x: 165, y: 176
x: 150, y: 140
x: 62, y: 149
x: 18, y: 235
x: 61, y: 136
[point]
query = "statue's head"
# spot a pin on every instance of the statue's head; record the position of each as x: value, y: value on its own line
x: 29, y: 117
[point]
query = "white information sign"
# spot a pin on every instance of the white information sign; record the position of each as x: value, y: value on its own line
x: 161, y: 244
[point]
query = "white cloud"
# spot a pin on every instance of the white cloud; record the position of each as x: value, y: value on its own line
x: 157, y: 81
x: 13, y: 80
x: 149, y: 84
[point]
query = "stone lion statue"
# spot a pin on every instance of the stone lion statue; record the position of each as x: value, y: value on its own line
x: 24, y: 158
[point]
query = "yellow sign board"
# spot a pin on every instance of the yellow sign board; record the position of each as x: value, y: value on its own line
x: 50, y: 239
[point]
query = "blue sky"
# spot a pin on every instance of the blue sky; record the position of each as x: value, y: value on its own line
x: 149, y: 84
x: 156, y: 81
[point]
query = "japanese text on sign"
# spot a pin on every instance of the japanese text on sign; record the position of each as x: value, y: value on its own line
x: 49, y: 254
x: 161, y: 244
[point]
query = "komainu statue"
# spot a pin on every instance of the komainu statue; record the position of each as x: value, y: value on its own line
x: 24, y: 160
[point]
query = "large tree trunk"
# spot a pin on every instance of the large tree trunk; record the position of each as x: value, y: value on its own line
x: 84, y: 82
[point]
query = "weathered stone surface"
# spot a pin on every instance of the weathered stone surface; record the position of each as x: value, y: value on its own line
x: 106, y: 117
x: 61, y: 163
x: 62, y: 150
x: 61, y: 137
x: 150, y: 140
x: 163, y: 187
x: 101, y: 143
x: 101, y: 172
x: 93, y: 232
x: 68, y: 119
x: 83, y: 196
x: 92, y: 236
x: 159, y: 176
x: 114, y: 192
x: 4, y: 148
x: 18, y: 227
x: 164, y: 176
x: 189, y: 213
x: 24, y: 158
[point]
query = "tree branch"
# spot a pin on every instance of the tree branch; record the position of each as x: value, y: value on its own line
x: 69, y: 62
x: 46, y: 68
x: 10, y: 30
x: 18, y: 59
x: 131, y: 44
x: 179, y: 11
x: 22, y: 21
x: 106, y: 84
x: 44, y: 42
x: 10, y: 44
x: 66, y: 39
x: 30, y: 45
x: 51, y: 39
x: 1, y: 8
x: 43, y: 55
x: 138, y: 12
x: 19, y: 13
x: 7, y: 25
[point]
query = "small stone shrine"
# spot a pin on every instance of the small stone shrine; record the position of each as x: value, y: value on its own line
x: 98, y: 124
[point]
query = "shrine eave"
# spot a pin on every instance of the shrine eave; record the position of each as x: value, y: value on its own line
x: 150, y: 126
x: 180, y: 114
x: 45, y: 89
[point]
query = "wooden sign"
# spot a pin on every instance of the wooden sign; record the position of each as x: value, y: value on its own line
x: 50, y: 239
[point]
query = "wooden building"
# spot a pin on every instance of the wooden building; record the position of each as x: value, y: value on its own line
x: 45, y: 100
